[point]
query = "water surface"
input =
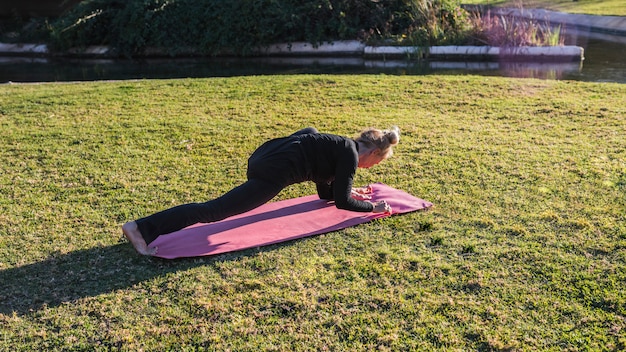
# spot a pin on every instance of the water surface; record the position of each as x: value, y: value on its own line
x: 605, y: 61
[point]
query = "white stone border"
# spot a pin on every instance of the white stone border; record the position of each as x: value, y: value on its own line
x: 23, y: 49
x: 356, y: 48
x: 565, y: 53
x: 342, y: 48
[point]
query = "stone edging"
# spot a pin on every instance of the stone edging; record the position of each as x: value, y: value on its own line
x: 354, y: 48
x: 527, y: 53
x: 25, y: 49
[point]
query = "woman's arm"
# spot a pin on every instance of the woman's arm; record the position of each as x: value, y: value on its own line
x: 325, y: 191
x: 342, y: 186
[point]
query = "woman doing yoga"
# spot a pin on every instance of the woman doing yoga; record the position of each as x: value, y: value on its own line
x: 307, y: 155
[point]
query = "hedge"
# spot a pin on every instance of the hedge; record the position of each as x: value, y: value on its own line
x: 212, y: 27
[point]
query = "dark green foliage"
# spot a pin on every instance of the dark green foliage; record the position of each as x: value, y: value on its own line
x: 239, y: 26
x: 17, y: 29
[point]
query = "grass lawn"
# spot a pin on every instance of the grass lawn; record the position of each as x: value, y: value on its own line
x: 525, y: 248
x: 590, y: 7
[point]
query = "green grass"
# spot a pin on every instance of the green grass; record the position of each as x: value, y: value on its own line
x: 590, y: 7
x: 525, y: 248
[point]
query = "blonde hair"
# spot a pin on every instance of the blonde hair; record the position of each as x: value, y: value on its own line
x: 383, y: 140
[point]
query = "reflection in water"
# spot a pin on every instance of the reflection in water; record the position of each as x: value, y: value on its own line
x: 542, y: 70
x: 604, y: 62
x: 605, y: 56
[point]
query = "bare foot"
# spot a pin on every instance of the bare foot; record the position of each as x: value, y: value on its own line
x: 134, y: 236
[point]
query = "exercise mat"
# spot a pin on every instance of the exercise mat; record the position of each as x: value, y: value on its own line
x: 278, y: 222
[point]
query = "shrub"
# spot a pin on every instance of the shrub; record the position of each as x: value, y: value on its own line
x: 211, y: 27
x: 437, y: 23
x: 215, y: 26
x: 23, y: 30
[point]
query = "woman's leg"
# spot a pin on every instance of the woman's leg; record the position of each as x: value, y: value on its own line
x: 253, y: 193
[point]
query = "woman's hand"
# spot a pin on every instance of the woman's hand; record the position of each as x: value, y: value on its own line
x: 381, y: 207
x: 361, y: 193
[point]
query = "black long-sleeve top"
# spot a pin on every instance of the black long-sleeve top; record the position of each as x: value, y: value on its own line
x: 326, y: 159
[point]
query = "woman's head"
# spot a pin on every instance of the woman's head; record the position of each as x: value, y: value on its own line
x: 376, y: 145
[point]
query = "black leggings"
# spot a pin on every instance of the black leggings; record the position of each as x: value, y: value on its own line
x: 251, y: 194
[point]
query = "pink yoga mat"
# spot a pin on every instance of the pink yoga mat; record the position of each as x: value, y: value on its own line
x: 277, y: 222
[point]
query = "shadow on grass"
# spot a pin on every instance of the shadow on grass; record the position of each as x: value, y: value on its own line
x: 68, y: 277
x: 86, y: 273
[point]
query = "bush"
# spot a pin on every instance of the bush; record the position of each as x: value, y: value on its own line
x: 436, y: 23
x: 24, y: 30
x: 239, y: 26
x: 212, y: 27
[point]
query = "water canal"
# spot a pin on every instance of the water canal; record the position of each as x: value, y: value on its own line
x: 605, y: 61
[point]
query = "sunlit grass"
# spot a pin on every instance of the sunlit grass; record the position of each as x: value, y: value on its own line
x: 590, y: 7
x: 524, y: 249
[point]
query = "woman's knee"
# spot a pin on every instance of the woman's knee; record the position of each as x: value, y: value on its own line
x: 241, y: 199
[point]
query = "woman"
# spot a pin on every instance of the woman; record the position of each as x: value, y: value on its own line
x: 307, y: 155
